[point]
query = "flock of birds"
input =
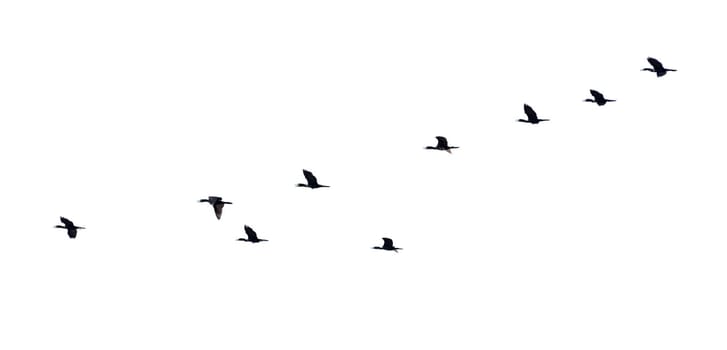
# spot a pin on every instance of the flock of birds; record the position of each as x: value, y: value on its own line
x: 442, y: 144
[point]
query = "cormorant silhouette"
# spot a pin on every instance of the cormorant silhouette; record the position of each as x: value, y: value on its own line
x: 68, y: 225
x: 658, y: 68
x: 532, y: 116
x: 311, y: 180
x: 598, y: 98
x: 388, y: 245
x: 217, y: 204
x: 251, y: 236
x: 442, y: 145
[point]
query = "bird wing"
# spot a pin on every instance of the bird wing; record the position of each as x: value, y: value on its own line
x: 655, y: 63
x: 388, y: 243
x: 532, y: 116
x: 251, y: 235
x: 67, y: 222
x: 310, y: 178
x: 441, y: 142
x: 597, y: 95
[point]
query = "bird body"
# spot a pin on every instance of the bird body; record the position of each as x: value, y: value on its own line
x: 217, y: 204
x: 532, y: 116
x: 598, y: 98
x: 442, y: 145
x: 388, y: 245
x: 251, y: 236
x: 657, y: 67
x: 311, y: 181
x: 70, y: 227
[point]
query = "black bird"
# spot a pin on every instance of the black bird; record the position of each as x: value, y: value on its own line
x: 442, y: 145
x: 598, y: 98
x: 532, y: 116
x: 658, y: 68
x: 68, y: 225
x: 312, y: 181
x: 388, y: 245
x: 251, y: 236
x: 217, y: 203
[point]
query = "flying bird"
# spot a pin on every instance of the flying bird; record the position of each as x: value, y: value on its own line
x: 217, y: 204
x: 68, y: 225
x: 598, y: 98
x: 658, y: 68
x: 251, y: 236
x: 388, y: 245
x: 442, y: 145
x: 532, y: 116
x: 311, y: 180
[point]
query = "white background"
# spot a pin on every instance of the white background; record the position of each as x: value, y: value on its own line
x: 601, y: 229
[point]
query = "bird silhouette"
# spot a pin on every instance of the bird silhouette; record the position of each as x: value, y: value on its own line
x: 532, y: 116
x: 388, y: 245
x: 311, y: 180
x: 251, y: 236
x: 598, y: 98
x: 217, y: 204
x: 657, y: 67
x: 68, y: 225
x: 442, y: 145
